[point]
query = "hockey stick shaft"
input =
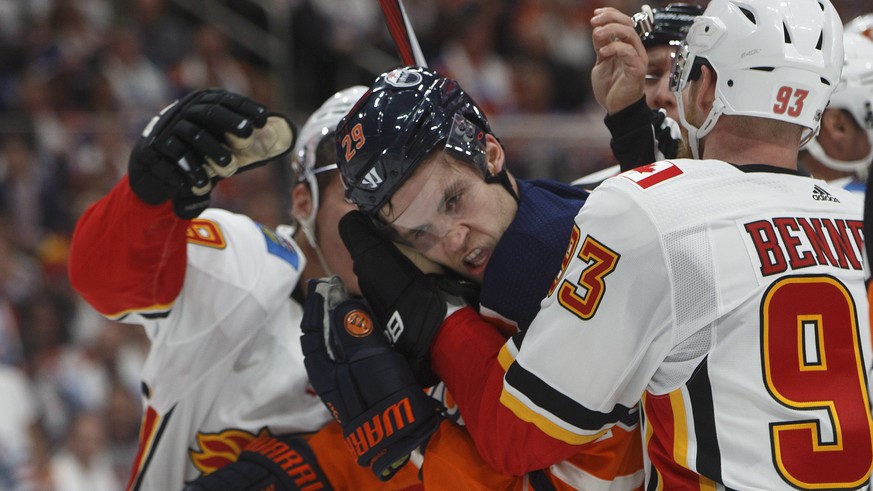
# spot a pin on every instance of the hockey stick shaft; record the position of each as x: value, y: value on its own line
x: 402, y: 33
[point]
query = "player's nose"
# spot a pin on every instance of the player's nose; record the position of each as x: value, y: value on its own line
x: 665, y: 98
x: 454, y: 240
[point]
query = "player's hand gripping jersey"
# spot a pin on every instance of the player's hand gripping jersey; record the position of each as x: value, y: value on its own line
x: 744, y: 329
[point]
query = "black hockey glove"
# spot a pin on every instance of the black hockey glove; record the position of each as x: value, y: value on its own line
x: 412, y: 305
x: 367, y: 386
x: 204, y: 137
x: 281, y: 463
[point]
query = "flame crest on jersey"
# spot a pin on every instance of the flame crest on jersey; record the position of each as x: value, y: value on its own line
x: 216, y: 450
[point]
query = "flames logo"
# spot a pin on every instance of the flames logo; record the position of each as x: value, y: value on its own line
x: 216, y: 450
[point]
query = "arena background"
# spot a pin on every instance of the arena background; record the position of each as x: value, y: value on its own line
x: 78, y: 81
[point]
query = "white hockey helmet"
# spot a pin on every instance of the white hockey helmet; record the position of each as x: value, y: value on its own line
x: 320, y: 123
x: 863, y: 24
x: 775, y: 60
x: 854, y: 94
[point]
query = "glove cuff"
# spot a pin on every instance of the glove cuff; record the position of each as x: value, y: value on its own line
x: 373, y: 431
x: 190, y: 207
x: 289, y: 459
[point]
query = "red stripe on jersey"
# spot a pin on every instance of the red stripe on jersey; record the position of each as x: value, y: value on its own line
x: 147, y: 431
x: 667, y: 443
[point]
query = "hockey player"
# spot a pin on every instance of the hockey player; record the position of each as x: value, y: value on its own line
x: 532, y: 219
x: 722, y: 296
x: 220, y: 297
x: 409, y: 113
x: 842, y: 150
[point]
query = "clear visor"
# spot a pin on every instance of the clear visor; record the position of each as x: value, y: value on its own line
x: 442, y: 193
x: 681, y: 68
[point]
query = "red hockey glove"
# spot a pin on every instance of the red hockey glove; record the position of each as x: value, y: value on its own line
x: 366, y: 385
x: 196, y: 141
x: 281, y: 463
x: 412, y: 305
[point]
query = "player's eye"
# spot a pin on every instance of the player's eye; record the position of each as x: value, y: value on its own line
x: 453, y: 199
x: 454, y: 202
x: 653, y: 78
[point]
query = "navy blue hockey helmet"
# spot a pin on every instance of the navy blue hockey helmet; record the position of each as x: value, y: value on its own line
x: 670, y: 24
x: 408, y: 113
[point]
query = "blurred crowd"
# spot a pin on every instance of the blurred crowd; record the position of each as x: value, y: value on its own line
x: 78, y: 81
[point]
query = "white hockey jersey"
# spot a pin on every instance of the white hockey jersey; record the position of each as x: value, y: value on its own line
x: 225, y: 360
x: 732, y: 304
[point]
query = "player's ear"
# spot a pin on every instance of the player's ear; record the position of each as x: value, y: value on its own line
x: 705, y: 95
x: 494, y: 154
x: 830, y: 124
x: 841, y: 122
x: 301, y: 201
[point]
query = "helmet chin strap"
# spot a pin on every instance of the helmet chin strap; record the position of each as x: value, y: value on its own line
x: 309, y: 231
x: 502, y: 178
x: 696, y: 134
x: 307, y: 225
x: 858, y: 167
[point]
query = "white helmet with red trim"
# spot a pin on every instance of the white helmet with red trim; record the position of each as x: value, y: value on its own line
x: 775, y: 60
x: 863, y: 24
x: 854, y: 94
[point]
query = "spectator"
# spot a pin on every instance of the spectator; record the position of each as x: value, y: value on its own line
x: 210, y: 64
x: 84, y: 463
x: 123, y: 413
x: 556, y: 33
x: 162, y: 35
x: 134, y: 85
x: 470, y: 57
x: 27, y: 187
x: 18, y: 417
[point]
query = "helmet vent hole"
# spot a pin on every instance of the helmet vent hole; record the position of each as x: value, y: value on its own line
x: 820, y: 41
x: 730, y: 83
x: 787, y: 35
x: 749, y: 15
x: 824, y: 81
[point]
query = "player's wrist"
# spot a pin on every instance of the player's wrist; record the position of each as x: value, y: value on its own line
x: 634, y: 115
